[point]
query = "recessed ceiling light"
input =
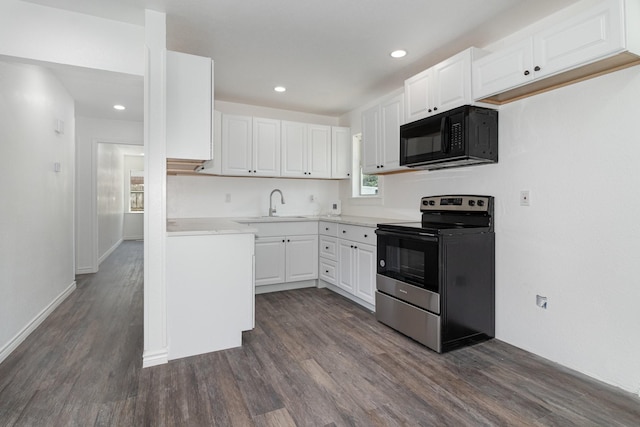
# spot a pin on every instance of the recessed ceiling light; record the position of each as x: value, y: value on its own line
x: 119, y: 107
x: 398, y: 53
x: 280, y: 89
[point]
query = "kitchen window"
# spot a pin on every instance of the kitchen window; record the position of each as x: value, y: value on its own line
x: 363, y: 185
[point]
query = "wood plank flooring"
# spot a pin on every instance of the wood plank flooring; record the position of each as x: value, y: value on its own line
x: 314, y: 359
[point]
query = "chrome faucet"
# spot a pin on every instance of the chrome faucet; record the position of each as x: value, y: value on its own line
x: 272, y: 210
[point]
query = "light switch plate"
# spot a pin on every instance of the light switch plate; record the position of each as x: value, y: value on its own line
x: 525, y: 198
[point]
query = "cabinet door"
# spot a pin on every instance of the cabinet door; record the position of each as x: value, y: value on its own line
x: 418, y: 98
x: 370, y: 140
x: 189, y: 106
x: 270, y: 260
x: 294, y: 149
x: 584, y: 38
x: 341, y: 150
x: 392, y: 116
x: 237, y: 142
x: 302, y: 258
x: 452, y: 82
x: 346, y: 254
x: 266, y: 147
x: 318, y: 151
x: 503, y: 70
x: 365, y: 272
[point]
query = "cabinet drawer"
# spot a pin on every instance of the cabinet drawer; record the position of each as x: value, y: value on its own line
x: 328, y: 270
x: 328, y: 247
x: 357, y: 233
x: 328, y: 228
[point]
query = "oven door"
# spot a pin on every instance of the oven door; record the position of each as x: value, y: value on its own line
x: 408, y: 266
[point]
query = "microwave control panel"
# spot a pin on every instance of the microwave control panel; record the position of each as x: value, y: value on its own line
x: 457, y: 143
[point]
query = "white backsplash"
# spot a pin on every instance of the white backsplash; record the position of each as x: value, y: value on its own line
x: 206, y: 196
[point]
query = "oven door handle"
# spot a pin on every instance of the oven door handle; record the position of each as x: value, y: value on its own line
x: 420, y: 236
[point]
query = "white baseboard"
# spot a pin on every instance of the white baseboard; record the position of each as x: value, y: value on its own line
x: 155, y: 358
x: 86, y: 270
x: 109, y: 251
x: 277, y: 287
x: 140, y: 237
x: 14, y: 342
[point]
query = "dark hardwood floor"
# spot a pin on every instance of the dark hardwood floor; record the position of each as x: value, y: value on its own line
x: 314, y: 359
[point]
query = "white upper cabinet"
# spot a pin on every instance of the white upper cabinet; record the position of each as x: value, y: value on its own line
x: 189, y: 107
x: 341, y: 151
x: 559, y: 51
x: 440, y: 88
x: 381, y: 136
x: 418, y: 96
x: 237, y: 143
x: 250, y: 146
x: 306, y: 150
x: 266, y: 147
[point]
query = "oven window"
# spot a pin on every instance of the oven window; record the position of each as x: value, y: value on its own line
x: 410, y: 261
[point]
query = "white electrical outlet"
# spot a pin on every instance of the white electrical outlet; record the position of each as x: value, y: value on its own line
x: 525, y: 198
x: 311, y: 198
x: 227, y: 198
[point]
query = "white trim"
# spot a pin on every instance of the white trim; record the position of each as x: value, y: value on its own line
x: 134, y: 237
x: 155, y: 358
x: 34, y: 323
x: 276, y: 287
x: 85, y: 270
x: 110, y: 251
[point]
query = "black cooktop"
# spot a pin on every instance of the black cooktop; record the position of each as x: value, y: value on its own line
x: 451, y: 214
x: 433, y: 228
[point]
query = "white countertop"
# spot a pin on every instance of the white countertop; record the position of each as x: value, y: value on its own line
x: 200, y: 226
x: 239, y: 225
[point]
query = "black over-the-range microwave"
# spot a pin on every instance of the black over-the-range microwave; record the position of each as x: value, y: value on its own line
x: 463, y: 136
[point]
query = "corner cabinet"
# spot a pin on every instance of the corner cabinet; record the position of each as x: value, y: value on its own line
x: 250, y: 146
x: 306, y: 150
x: 189, y: 129
x: 341, y: 152
x: 440, y: 88
x: 381, y: 136
x: 559, y: 54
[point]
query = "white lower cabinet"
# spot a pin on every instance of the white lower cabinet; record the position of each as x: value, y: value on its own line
x: 348, y: 260
x: 356, y: 269
x: 285, y: 259
x: 210, y: 294
x: 270, y: 260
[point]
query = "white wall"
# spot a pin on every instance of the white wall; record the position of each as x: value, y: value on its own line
x: 576, y: 149
x: 36, y: 213
x: 89, y: 133
x: 28, y: 30
x: 133, y: 228
x: 110, y: 199
x: 205, y: 196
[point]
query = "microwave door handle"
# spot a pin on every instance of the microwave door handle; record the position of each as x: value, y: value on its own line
x: 445, y: 134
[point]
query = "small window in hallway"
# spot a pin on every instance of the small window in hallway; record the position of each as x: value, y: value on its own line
x: 136, y: 191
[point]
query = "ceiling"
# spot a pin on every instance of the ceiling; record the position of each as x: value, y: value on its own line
x: 332, y: 55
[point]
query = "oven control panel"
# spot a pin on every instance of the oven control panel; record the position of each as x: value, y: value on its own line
x: 467, y: 203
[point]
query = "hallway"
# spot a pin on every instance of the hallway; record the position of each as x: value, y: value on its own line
x: 314, y: 359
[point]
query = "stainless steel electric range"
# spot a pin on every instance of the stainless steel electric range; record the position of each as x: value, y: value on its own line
x: 436, y: 278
